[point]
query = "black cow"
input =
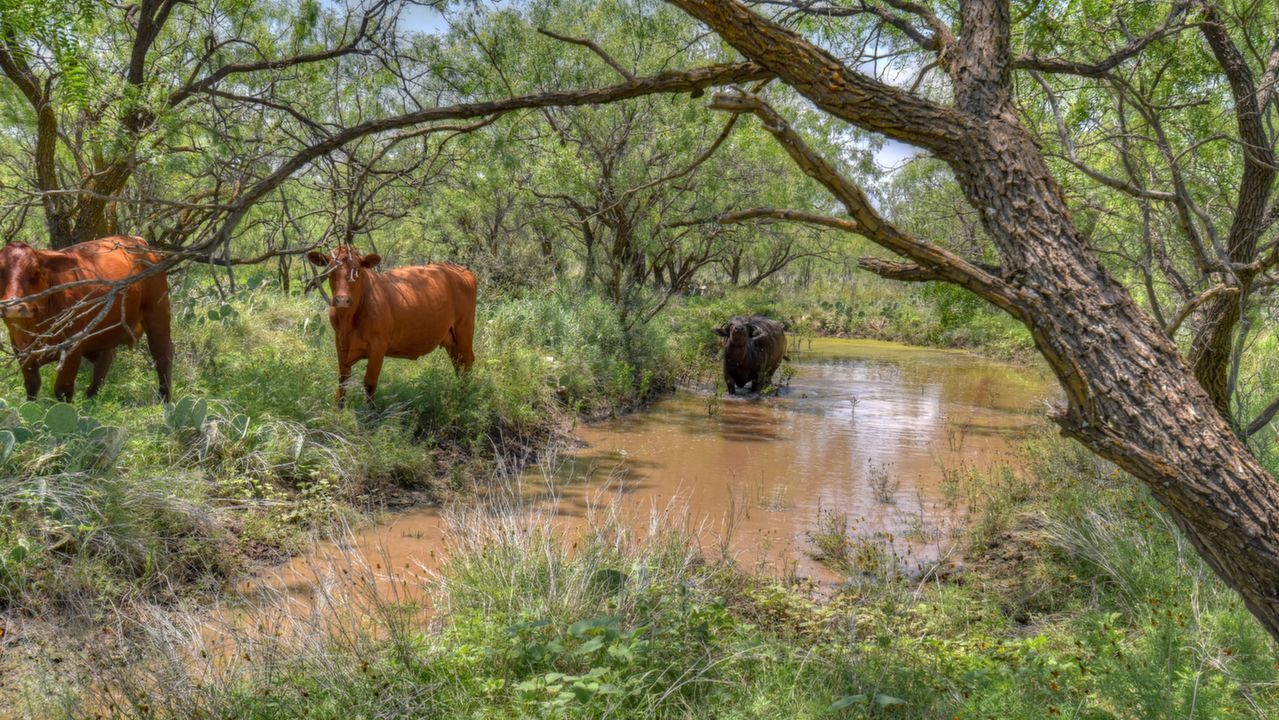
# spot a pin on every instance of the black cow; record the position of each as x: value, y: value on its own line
x: 753, y: 348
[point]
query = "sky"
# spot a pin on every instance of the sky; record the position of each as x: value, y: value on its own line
x: 893, y: 154
x: 423, y: 19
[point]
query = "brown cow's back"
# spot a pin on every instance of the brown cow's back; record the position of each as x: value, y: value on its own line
x: 109, y: 259
x: 414, y: 310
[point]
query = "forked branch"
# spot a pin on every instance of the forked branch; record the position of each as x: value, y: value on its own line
x: 1194, y: 304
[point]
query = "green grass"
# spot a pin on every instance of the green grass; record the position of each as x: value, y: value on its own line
x: 1079, y: 599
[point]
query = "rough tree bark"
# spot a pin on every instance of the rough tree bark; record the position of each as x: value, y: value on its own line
x: 1130, y: 397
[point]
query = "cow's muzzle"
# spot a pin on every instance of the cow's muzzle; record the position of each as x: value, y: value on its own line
x: 342, y: 301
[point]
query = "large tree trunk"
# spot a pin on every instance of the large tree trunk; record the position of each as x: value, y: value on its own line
x: 1129, y: 395
x: 1131, y: 398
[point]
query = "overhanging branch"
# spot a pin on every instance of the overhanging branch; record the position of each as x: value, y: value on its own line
x: 869, y: 224
x: 799, y: 216
x: 667, y: 82
x: 895, y: 270
x: 830, y: 84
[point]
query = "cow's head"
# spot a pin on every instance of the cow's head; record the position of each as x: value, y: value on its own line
x: 346, y: 272
x: 25, y: 271
x: 737, y: 332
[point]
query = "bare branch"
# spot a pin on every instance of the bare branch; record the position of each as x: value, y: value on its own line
x: 595, y: 48
x: 894, y: 270
x: 1194, y: 303
x: 1263, y: 419
x: 667, y: 82
x: 799, y: 216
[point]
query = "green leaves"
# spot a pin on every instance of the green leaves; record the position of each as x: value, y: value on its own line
x: 7, y: 442
x: 58, y: 27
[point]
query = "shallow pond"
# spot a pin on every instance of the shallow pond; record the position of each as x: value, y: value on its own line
x: 873, y: 432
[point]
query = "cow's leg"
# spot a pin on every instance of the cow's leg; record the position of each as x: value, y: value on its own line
x: 760, y: 382
x: 101, y: 366
x: 461, y: 349
x: 372, y: 369
x: 460, y: 353
x: 157, y: 324
x: 64, y: 383
x: 31, y: 378
x: 344, y: 376
x: 732, y: 386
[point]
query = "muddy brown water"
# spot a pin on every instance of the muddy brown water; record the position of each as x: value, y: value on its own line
x: 868, y: 430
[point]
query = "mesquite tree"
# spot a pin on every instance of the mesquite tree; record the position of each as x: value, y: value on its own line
x: 1131, y: 396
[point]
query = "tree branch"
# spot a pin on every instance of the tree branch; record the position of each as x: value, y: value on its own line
x: 831, y: 85
x: 894, y: 270
x: 869, y: 224
x: 1194, y: 304
x: 799, y: 216
x: 1263, y: 419
x: 667, y: 82
x: 1101, y: 67
x: 595, y: 48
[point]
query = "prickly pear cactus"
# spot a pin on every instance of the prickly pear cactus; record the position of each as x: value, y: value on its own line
x: 57, y: 435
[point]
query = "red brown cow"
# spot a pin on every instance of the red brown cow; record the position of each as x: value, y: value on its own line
x: 41, y: 327
x: 401, y: 313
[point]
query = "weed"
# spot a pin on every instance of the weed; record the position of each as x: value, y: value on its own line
x: 884, y: 484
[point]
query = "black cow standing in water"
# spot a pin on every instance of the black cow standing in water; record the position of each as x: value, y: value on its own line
x: 753, y: 348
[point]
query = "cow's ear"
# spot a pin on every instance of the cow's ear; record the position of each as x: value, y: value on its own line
x: 371, y: 260
x: 318, y: 258
x: 722, y: 331
x: 55, y: 261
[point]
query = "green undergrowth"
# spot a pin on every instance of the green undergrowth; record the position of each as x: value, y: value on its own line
x: 1077, y: 598
x: 145, y: 501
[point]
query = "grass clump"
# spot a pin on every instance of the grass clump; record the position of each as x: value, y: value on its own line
x: 619, y: 623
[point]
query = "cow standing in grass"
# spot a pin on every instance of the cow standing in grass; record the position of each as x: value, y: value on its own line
x: 402, y: 313
x: 753, y: 348
x: 100, y: 309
